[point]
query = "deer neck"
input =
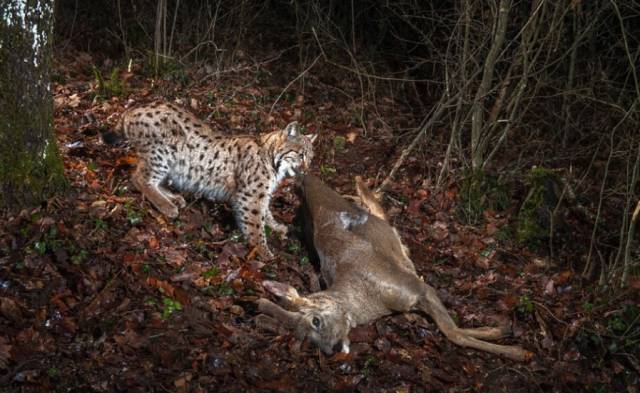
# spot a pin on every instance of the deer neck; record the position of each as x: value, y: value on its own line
x: 359, y: 301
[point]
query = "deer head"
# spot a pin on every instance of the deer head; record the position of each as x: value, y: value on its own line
x: 319, y: 317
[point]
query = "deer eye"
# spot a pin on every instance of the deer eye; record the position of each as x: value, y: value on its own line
x: 316, y: 322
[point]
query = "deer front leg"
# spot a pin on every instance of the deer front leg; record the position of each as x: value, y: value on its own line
x: 147, y: 181
x: 175, y: 198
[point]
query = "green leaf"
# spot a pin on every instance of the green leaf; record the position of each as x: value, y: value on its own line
x: 225, y: 289
x: 339, y: 143
x: 170, y: 306
x: 213, y: 272
x: 40, y: 247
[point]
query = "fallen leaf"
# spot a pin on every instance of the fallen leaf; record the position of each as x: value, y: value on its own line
x: 152, y: 242
x: 10, y: 309
x: 562, y: 277
x: 163, y: 286
x: 73, y: 101
x: 550, y: 288
x: 440, y: 230
x: 127, y: 161
x: 175, y: 257
x: 5, y: 353
x: 363, y: 333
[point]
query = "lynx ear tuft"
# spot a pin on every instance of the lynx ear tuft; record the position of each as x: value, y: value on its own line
x: 292, y: 129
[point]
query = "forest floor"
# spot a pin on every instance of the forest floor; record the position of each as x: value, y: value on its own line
x: 100, y: 292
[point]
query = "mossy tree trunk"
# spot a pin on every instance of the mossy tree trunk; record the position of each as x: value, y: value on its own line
x: 30, y: 166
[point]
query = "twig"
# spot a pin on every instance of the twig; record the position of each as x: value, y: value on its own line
x: 627, y: 250
x: 604, y: 181
x: 427, y: 123
x: 293, y: 81
x: 173, y: 26
x: 371, y: 76
x: 477, y: 119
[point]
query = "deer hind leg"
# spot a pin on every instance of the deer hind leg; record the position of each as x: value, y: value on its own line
x: 369, y: 200
x: 471, y: 338
x: 147, y: 180
x: 487, y: 332
x: 177, y: 199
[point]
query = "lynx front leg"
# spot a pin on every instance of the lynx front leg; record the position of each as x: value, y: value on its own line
x: 148, y: 182
x: 251, y: 222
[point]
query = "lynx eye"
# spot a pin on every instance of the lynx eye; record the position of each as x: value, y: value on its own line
x: 316, y: 322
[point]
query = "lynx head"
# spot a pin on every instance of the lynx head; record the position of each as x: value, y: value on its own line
x: 290, y: 150
x: 318, y: 317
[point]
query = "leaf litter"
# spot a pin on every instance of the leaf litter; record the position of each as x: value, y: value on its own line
x: 99, y: 292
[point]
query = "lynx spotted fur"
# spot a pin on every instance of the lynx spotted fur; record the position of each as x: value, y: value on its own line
x: 178, y: 150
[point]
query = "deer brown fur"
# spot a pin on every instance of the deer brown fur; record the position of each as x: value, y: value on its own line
x: 368, y: 274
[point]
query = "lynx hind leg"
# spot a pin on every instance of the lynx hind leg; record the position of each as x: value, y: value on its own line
x: 147, y: 179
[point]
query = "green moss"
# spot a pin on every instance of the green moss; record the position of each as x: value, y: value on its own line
x: 480, y: 191
x: 31, y: 169
x: 533, y: 224
x: 26, y: 177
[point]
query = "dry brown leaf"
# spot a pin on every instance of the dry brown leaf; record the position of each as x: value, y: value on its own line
x: 73, y: 101
x: 152, y: 242
x: 562, y: 277
x: 10, y: 309
x: 163, y: 286
x: 5, y: 353
x: 127, y: 161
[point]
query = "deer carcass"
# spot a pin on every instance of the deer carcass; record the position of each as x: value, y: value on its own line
x: 368, y: 274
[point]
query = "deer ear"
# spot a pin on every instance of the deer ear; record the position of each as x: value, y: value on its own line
x: 292, y: 129
x: 286, y: 292
x: 281, y: 290
x: 289, y: 318
x: 312, y: 138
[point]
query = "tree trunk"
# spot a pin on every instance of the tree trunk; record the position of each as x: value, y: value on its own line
x: 30, y: 166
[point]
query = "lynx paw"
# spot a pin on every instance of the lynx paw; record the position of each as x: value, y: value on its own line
x: 265, y: 253
x: 280, y: 229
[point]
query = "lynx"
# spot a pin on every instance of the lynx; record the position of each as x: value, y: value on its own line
x: 176, y: 149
